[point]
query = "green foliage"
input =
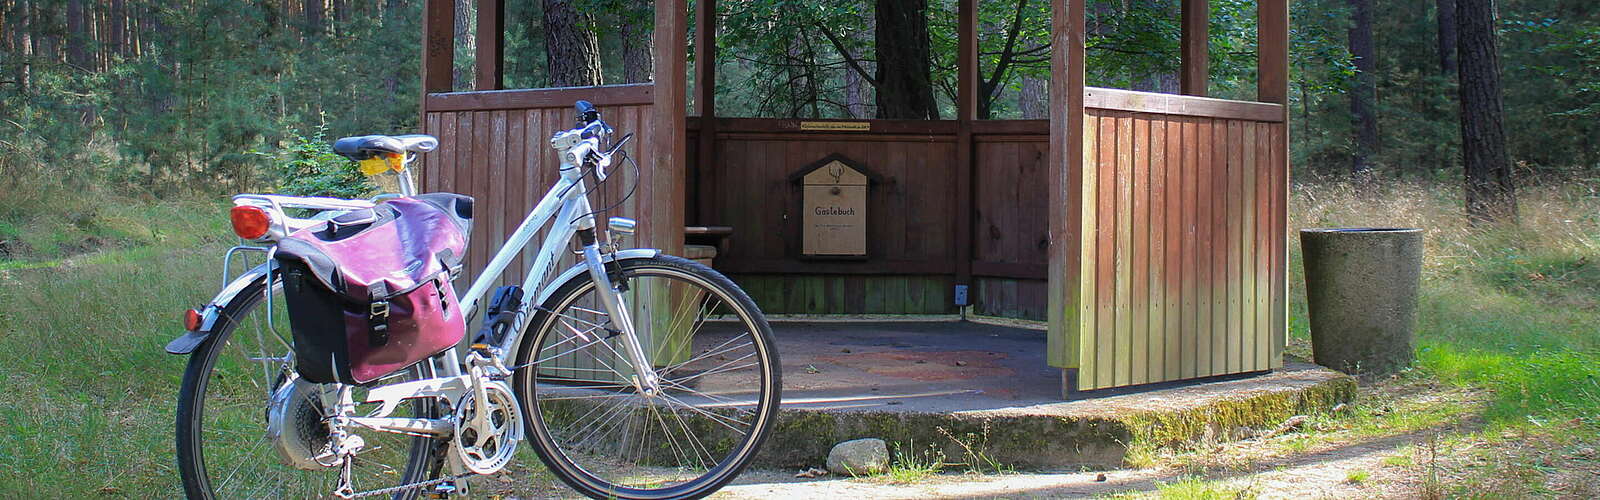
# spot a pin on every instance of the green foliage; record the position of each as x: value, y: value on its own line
x: 309, y: 167
x: 210, y: 81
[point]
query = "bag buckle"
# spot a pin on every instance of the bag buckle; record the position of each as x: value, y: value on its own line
x: 378, y: 323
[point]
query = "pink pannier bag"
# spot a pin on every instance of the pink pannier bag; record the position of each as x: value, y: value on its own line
x: 369, y: 291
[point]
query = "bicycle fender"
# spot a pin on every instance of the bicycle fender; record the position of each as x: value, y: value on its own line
x: 580, y: 268
x: 212, y: 311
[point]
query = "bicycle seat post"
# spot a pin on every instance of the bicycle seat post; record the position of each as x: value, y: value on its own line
x: 407, y: 186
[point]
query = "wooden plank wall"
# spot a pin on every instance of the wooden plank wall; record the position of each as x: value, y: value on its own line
x: 1183, y: 242
x: 912, y: 217
x: 1011, y: 237
x: 498, y: 151
x: 911, y: 244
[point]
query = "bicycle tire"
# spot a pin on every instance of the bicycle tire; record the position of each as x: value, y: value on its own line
x: 552, y: 389
x: 422, y: 457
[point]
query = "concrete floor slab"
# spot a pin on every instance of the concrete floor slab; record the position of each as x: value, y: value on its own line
x: 990, y: 388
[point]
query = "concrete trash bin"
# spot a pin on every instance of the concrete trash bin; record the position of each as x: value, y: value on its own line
x: 1361, y: 290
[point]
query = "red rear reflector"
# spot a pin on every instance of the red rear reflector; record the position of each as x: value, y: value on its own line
x: 191, y: 320
x: 249, y: 222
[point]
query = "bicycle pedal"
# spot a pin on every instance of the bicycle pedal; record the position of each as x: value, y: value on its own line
x: 441, y: 490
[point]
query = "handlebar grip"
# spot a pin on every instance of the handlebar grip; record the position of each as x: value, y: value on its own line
x: 586, y: 113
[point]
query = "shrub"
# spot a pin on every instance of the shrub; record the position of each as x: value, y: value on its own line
x: 309, y: 167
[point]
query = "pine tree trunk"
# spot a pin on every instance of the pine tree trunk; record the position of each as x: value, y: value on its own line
x: 313, y: 13
x: 5, y: 34
x: 1363, y: 98
x: 1034, y: 100
x: 391, y: 12
x: 75, y: 33
x: 462, y: 75
x: 1446, y: 16
x: 638, y: 57
x: 1490, y: 188
x: 857, y: 89
x: 572, y: 53
x: 119, y: 26
x: 905, y: 85
x: 25, y: 46
x: 341, y: 13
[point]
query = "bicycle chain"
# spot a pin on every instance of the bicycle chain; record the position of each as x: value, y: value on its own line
x: 412, y: 486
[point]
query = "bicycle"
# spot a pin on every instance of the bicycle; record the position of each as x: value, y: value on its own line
x: 673, y: 406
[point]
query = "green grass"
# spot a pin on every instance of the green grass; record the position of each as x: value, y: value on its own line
x: 89, y: 391
x: 91, y: 287
x: 1514, y: 308
x: 1191, y: 488
x: 912, y: 466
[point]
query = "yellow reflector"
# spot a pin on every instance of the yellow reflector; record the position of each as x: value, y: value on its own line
x: 397, y: 162
x: 373, y: 166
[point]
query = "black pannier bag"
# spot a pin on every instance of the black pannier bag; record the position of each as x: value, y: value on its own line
x: 369, y: 292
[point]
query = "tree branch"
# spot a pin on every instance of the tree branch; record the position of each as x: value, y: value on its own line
x: 846, y: 54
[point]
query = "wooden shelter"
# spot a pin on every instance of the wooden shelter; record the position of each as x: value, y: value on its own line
x: 1148, y: 229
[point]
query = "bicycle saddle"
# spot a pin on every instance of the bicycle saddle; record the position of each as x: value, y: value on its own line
x: 367, y: 146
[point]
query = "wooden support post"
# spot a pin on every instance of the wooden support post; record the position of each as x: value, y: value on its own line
x: 705, y: 63
x: 438, y: 56
x: 491, y: 41
x: 1195, y: 75
x: 669, y: 146
x: 1272, y: 54
x: 1066, y: 187
x: 966, y: 111
x: 438, y: 46
x: 1272, y: 85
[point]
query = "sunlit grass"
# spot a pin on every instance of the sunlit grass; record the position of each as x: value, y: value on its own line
x: 1512, y: 308
x: 1191, y: 488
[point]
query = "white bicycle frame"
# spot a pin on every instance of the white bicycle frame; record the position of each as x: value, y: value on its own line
x: 565, y: 207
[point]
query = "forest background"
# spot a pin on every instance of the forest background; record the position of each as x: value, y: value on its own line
x: 208, y: 96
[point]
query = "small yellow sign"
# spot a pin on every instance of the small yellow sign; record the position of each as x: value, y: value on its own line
x: 837, y: 126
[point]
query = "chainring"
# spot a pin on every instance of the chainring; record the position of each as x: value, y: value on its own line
x: 487, y: 450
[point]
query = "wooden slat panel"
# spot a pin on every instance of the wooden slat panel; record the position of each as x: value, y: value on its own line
x: 1086, y: 268
x: 1248, y: 231
x: 1105, y: 256
x: 1124, y: 250
x: 1205, y: 248
x: 1222, y: 342
x: 1155, y: 370
x: 1139, y: 304
x: 1262, y: 243
x: 1234, y: 223
x: 1280, y: 238
x: 516, y: 183
x: 495, y: 220
x: 1189, y: 260
x: 1172, y: 291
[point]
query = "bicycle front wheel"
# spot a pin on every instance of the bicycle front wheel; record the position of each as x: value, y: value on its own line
x: 713, y: 352
x: 224, y: 450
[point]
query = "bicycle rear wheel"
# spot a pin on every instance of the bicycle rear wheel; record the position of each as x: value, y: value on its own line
x: 223, y: 447
x: 719, y: 371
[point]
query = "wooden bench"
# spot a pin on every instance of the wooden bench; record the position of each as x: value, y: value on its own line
x: 703, y: 243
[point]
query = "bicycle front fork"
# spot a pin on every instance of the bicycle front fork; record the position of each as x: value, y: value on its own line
x: 644, y: 379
